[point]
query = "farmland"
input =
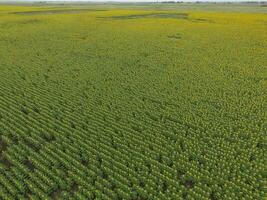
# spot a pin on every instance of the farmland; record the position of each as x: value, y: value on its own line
x: 136, y: 103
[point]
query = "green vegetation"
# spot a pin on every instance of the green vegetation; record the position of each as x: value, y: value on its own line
x: 134, y: 104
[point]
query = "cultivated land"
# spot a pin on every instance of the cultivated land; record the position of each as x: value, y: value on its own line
x: 133, y: 102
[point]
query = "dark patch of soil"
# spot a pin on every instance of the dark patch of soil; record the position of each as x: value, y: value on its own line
x: 24, y: 110
x: 189, y: 184
x: 29, y: 165
x: 5, y: 162
x: 212, y: 196
x: 74, y: 187
x: 84, y: 162
x: 49, y: 137
x: 180, y: 174
x: 3, y: 145
x: 137, y: 128
x: 184, y: 195
x: 261, y: 145
x: 56, y: 194
x: 164, y: 187
x: 32, y: 146
x: 28, y: 193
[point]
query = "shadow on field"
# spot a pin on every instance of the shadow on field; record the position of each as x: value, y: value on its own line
x: 202, y: 20
x: 183, y: 16
x: 152, y: 15
x: 3, y: 160
x: 30, y: 21
x: 19, y: 23
x: 175, y: 36
x: 49, y: 12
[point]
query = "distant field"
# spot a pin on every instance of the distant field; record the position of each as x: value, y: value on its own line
x: 144, y: 102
